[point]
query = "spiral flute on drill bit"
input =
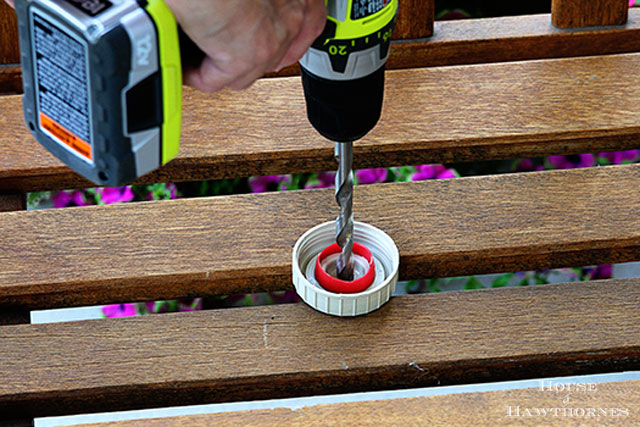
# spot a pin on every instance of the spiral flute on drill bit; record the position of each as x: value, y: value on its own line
x: 344, y: 197
x: 343, y: 81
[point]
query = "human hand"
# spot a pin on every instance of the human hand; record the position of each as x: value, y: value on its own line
x: 244, y: 39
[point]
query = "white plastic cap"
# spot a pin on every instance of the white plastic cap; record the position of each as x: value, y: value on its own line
x: 385, y: 254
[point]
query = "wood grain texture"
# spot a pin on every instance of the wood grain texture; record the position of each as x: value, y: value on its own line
x: 236, y: 244
x: 437, y: 114
x: 509, y: 38
x: 11, y: 315
x: 292, y: 350
x: 512, y: 38
x: 415, y: 19
x: 472, y: 41
x: 608, y: 404
x: 475, y: 41
x: 588, y: 13
x: 9, y: 46
x: 13, y: 202
x: 10, y: 79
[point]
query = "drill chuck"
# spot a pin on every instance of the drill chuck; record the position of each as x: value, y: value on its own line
x: 343, y: 110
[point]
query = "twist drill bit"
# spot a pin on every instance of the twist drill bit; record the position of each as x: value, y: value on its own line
x: 344, y: 197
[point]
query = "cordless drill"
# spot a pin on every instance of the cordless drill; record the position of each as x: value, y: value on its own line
x: 343, y: 81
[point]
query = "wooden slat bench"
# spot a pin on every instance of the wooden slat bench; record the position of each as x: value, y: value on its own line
x: 475, y: 225
x: 290, y: 350
x: 481, y: 89
x: 605, y: 405
x: 494, y: 111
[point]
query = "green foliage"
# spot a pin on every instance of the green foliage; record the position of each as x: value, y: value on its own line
x: 93, y: 196
x: 36, y: 199
x: 401, y: 174
x: 502, y: 281
x: 423, y: 286
x: 220, y: 187
x: 473, y: 283
x: 300, y: 180
x: 159, y: 191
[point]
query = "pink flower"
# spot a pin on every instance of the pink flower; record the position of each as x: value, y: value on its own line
x: 524, y: 165
x: 572, y: 161
x: 119, y: 310
x: 151, y: 306
x: 283, y: 297
x: 190, y: 305
x: 324, y: 180
x: 110, y: 195
x: 432, y: 172
x: 617, y: 157
x: 260, y: 184
x: 527, y: 165
x: 632, y: 2
x: 173, y: 190
x: 62, y: 199
x: 370, y: 176
x: 600, y: 272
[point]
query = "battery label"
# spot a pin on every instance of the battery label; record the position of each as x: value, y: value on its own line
x: 63, y: 98
x: 364, y: 8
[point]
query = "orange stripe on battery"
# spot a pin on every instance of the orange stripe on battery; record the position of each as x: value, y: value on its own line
x: 65, y: 136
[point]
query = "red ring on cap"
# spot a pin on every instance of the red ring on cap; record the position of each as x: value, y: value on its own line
x: 339, y: 286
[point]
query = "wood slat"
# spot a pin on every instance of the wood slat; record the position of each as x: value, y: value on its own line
x: 604, y: 404
x: 472, y: 41
x: 235, y: 244
x: 13, y: 315
x: 431, y: 115
x: 10, y: 79
x: 415, y: 19
x: 9, y: 46
x: 12, y: 202
x: 588, y: 13
x: 292, y: 350
x: 487, y: 40
x: 475, y: 41
x: 512, y: 38
x: 509, y: 38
